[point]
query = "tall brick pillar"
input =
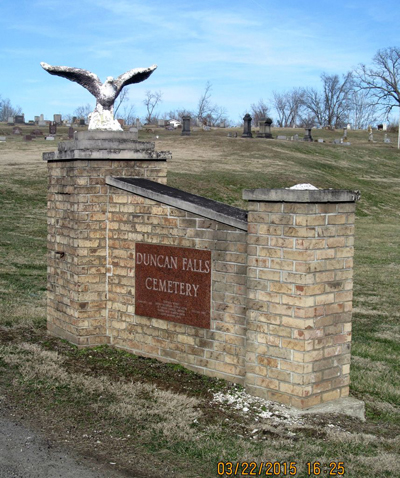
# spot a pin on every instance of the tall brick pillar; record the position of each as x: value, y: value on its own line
x: 299, y: 302
x: 77, y: 226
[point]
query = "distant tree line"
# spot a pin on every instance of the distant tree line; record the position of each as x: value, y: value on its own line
x: 7, y: 110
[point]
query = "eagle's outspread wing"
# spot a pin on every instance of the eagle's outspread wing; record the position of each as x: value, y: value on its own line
x: 87, y: 79
x: 133, y: 76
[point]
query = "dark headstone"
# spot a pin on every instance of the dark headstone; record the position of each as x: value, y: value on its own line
x: 247, y: 126
x: 37, y: 132
x: 70, y: 132
x: 19, y: 119
x: 52, y: 128
x: 28, y: 137
x: 265, y: 128
x: 74, y: 118
x: 307, y: 136
x: 81, y: 122
x: 186, y: 126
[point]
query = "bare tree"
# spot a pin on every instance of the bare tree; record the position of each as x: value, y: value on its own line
x: 259, y: 111
x: 122, y: 98
x: 151, y: 101
x: 382, y: 80
x: 204, y: 106
x: 208, y: 113
x: 314, y: 105
x: 331, y: 106
x: 128, y: 114
x: 363, y: 111
x: 83, y: 111
x: 288, y: 106
x: 7, y: 110
x: 178, y: 114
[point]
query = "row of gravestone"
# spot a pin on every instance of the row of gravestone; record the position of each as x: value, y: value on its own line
x: 37, y: 132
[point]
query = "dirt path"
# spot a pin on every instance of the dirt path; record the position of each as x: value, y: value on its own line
x: 25, y: 453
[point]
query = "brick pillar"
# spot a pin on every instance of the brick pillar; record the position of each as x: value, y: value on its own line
x: 299, y: 302
x: 77, y: 226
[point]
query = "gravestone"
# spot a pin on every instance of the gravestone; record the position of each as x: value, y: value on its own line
x: 386, y: 139
x: 42, y: 122
x: 320, y: 140
x: 27, y: 137
x: 247, y: 126
x: 135, y: 133
x: 70, y: 132
x: 49, y: 138
x: 10, y: 120
x: 52, y: 128
x: 74, y: 119
x: 37, y: 119
x: 370, y: 135
x: 19, y: 119
x: 281, y: 137
x: 336, y: 141
x: 138, y: 125
x: 186, y: 126
x: 162, y: 123
x: 2, y: 139
x: 307, y: 136
x: 206, y: 128
x: 265, y: 128
x: 296, y: 137
x: 37, y: 132
x: 16, y: 130
x: 344, y: 133
x: 384, y: 127
x: 57, y: 119
x: 81, y: 122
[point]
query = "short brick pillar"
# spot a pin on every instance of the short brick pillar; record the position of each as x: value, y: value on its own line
x: 78, y: 227
x: 299, y: 294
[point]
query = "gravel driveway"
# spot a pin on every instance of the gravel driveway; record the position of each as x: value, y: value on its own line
x: 26, y: 454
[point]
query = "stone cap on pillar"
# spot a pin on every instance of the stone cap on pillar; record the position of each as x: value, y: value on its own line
x: 301, y: 196
x: 106, y: 145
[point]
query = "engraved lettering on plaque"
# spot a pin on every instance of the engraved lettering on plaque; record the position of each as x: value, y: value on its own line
x: 173, y: 283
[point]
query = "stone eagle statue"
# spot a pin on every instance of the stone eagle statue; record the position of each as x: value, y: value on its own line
x: 105, y: 93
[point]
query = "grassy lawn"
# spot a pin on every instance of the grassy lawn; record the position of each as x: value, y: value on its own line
x: 155, y: 419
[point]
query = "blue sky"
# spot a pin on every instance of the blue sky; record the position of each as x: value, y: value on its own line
x: 247, y: 49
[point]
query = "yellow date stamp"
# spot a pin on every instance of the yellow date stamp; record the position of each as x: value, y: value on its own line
x: 276, y: 468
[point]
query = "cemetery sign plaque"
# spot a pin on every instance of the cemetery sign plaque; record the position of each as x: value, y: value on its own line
x: 173, y: 283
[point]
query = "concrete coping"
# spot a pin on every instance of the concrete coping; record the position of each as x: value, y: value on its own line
x: 301, y: 196
x: 199, y: 205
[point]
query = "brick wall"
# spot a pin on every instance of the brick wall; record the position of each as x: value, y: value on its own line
x: 281, y: 291
x: 218, y: 351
